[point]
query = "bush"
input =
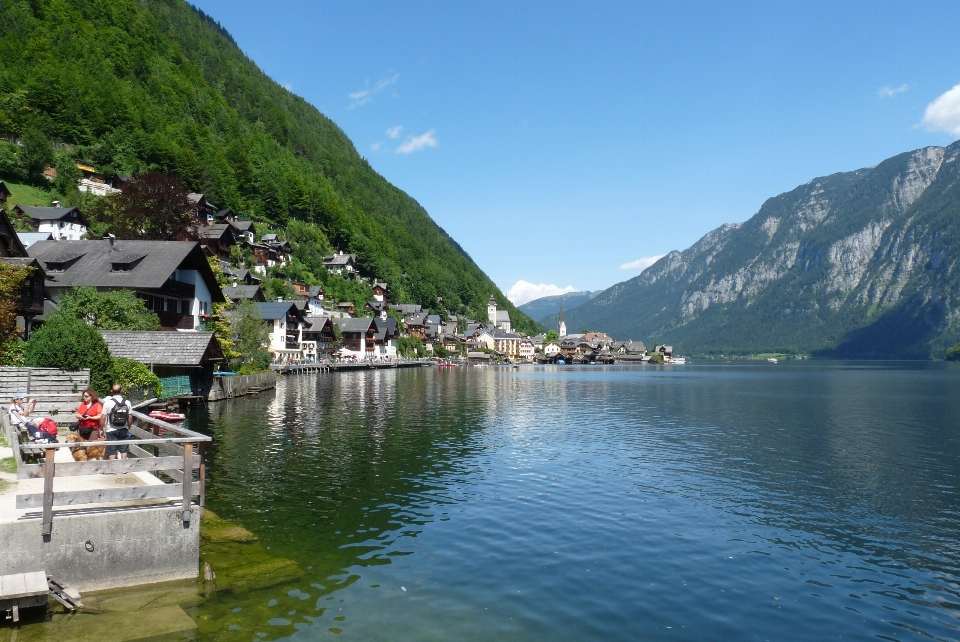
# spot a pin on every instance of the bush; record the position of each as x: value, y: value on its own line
x: 656, y: 359
x: 70, y: 344
x: 11, y: 353
x: 133, y: 374
x: 410, y: 347
x: 953, y: 353
x: 440, y: 351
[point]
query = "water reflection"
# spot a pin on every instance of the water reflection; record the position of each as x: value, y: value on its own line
x: 707, y: 502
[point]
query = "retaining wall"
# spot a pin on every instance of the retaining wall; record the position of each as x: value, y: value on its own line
x: 237, y: 386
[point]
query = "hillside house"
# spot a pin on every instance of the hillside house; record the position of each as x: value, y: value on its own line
x: 359, y: 337
x: 204, y: 211
x: 172, y: 277
x: 240, y: 292
x: 286, y: 322
x: 4, y: 194
x: 317, y: 338
x: 340, y: 263
x: 93, y: 182
x: 380, y: 292
x: 64, y: 223
x: 30, y: 303
x: 217, y: 238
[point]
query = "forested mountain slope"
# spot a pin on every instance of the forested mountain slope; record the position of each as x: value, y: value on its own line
x: 132, y: 85
x: 857, y: 264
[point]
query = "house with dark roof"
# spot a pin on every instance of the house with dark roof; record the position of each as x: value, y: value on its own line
x: 204, y: 210
x: 247, y: 229
x: 29, y: 238
x: 385, y: 338
x: 217, y: 238
x: 379, y: 308
x: 170, y: 354
x: 285, y: 320
x: 315, y: 299
x: 4, y: 193
x: 172, y: 277
x: 317, y: 338
x: 341, y: 263
x: 239, y: 292
x: 380, y: 291
x: 359, y: 337
x: 64, y: 223
x: 33, y: 294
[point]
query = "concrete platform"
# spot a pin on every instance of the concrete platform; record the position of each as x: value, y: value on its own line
x: 99, y: 546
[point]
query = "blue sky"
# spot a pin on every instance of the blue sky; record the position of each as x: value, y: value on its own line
x: 564, y: 144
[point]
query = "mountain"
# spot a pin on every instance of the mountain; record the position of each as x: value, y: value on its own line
x: 134, y: 85
x: 857, y: 264
x: 544, y: 307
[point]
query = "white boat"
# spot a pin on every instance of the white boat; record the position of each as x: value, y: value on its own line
x: 678, y: 360
x: 772, y: 359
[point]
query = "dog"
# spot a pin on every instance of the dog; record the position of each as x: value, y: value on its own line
x: 85, y: 454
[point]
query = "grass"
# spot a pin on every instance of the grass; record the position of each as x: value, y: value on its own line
x: 8, y: 465
x: 21, y: 194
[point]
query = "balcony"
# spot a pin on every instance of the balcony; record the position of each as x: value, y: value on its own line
x: 292, y: 345
x: 176, y: 320
x: 178, y: 289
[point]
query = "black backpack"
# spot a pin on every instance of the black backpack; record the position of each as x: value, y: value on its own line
x: 120, y: 413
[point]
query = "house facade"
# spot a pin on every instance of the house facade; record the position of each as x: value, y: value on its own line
x: 63, y: 223
x: 172, y: 277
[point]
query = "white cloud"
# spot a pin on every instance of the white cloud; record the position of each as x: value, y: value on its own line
x: 943, y: 114
x: 394, y: 132
x: 366, y: 95
x: 376, y: 146
x: 523, y: 292
x: 416, y: 143
x: 642, y: 264
x: 889, y: 92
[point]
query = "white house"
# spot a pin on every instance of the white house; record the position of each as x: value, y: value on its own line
x: 551, y: 348
x: 285, y: 322
x: 63, y: 223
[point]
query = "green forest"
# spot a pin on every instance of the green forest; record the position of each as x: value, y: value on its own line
x: 131, y: 86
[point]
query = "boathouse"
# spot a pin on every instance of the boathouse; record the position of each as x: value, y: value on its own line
x: 170, y: 354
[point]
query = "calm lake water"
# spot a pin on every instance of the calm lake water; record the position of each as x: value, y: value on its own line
x: 800, y: 501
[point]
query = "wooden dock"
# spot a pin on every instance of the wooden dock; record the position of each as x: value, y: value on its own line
x: 20, y: 591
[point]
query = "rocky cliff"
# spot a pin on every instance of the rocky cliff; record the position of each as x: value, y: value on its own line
x: 856, y: 264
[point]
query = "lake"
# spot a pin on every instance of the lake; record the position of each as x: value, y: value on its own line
x: 801, y: 501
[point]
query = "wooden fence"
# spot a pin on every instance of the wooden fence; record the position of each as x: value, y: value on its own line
x: 58, y: 391
x: 160, y: 447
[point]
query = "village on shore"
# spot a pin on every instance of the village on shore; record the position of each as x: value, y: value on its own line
x: 183, y: 281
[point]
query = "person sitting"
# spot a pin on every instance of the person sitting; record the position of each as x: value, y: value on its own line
x: 88, y: 414
x: 19, y: 410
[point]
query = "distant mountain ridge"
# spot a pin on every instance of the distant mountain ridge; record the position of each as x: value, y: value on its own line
x: 855, y: 264
x: 547, y: 307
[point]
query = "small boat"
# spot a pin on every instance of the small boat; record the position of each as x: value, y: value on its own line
x: 167, y: 416
x: 446, y: 364
x: 561, y: 362
x: 772, y: 359
x: 679, y: 360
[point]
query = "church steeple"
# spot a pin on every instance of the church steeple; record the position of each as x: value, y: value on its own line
x: 561, y: 327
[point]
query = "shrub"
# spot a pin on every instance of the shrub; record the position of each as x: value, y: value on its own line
x: 70, y: 344
x: 953, y: 353
x: 133, y: 374
x: 656, y: 358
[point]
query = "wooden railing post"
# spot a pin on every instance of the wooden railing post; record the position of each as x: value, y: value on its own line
x: 202, y: 473
x: 187, y: 479
x: 48, y: 472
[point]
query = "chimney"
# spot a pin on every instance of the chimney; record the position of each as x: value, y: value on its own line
x: 279, y: 299
x: 56, y: 203
x: 109, y: 237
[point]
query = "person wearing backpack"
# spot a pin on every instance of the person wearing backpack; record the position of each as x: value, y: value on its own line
x: 117, y: 418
